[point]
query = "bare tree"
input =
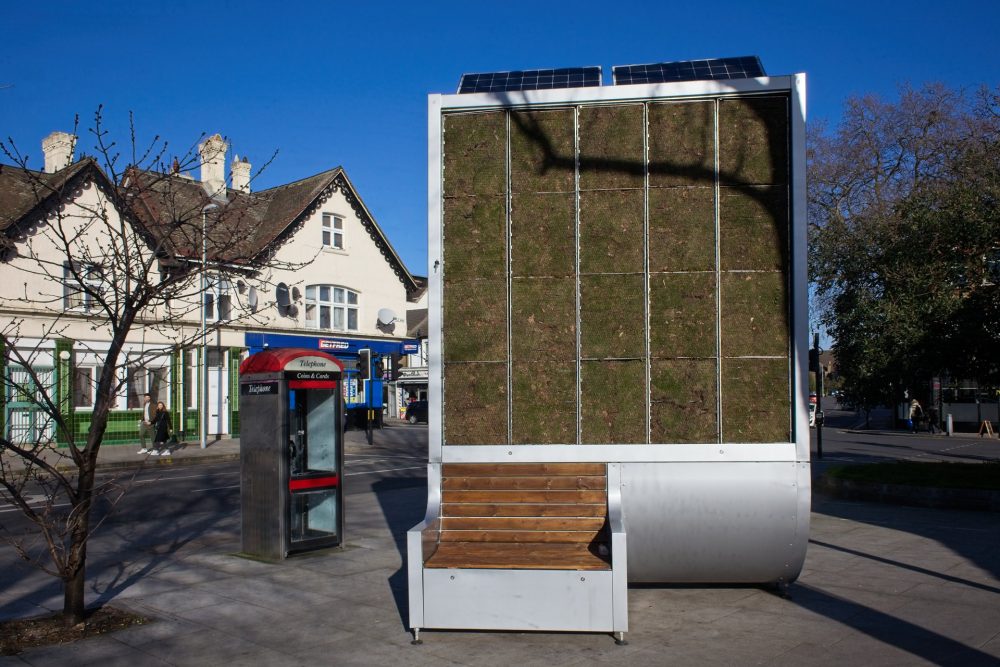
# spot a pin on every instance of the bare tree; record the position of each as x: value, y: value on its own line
x: 114, y: 243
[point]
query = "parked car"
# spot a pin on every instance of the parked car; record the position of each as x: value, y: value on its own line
x: 416, y: 412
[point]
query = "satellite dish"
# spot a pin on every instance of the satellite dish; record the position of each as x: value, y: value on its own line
x: 386, y: 316
x: 281, y: 295
x: 252, y: 299
x: 241, y: 287
x: 296, y: 294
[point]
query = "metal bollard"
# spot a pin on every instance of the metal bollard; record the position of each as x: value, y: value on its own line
x: 948, y: 425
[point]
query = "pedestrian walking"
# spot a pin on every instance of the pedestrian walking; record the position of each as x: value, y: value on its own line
x: 916, y: 412
x: 146, y: 423
x: 161, y: 430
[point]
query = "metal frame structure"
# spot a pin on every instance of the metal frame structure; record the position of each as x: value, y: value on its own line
x: 745, y: 499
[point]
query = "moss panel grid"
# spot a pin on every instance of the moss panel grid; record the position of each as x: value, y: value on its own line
x: 611, y: 151
x: 475, y: 155
x: 543, y: 236
x: 611, y: 231
x: 754, y: 312
x: 755, y: 404
x: 682, y: 315
x: 543, y: 319
x: 612, y: 316
x: 753, y: 226
x: 753, y: 141
x: 682, y: 144
x: 475, y: 238
x: 475, y: 404
x: 542, y: 151
x: 475, y: 321
x: 543, y: 405
x: 683, y: 401
x: 681, y: 229
x: 613, y: 402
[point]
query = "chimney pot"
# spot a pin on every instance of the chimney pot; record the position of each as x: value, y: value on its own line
x: 213, y: 165
x: 240, y: 170
x: 58, y: 151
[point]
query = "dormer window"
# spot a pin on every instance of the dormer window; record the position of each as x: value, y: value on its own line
x: 333, y: 231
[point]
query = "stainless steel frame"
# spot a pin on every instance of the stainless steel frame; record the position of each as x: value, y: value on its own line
x: 745, y: 507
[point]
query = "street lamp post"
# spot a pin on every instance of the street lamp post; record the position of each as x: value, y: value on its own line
x: 203, y: 418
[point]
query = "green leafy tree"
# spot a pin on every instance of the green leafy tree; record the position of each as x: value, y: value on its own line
x: 904, y: 232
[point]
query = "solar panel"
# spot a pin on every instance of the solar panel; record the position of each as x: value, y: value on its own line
x: 745, y: 67
x: 531, y: 79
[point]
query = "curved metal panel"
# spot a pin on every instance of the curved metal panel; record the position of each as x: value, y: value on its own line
x: 732, y: 522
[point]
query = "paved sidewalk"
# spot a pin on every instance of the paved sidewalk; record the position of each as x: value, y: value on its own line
x: 119, y: 457
x: 882, y: 585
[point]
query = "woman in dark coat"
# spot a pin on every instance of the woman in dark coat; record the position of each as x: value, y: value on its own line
x: 161, y: 429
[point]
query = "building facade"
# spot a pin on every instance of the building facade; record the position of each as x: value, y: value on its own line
x: 302, y: 264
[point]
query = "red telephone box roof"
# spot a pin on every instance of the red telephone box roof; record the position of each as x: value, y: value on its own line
x: 275, y: 361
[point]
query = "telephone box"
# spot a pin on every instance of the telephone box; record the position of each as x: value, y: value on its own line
x: 292, y: 456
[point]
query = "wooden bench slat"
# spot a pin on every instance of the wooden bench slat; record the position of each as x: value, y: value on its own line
x: 536, y: 483
x: 494, y: 496
x: 523, y: 509
x: 542, y: 524
x: 520, y: 556
x: 521, y: 469
x: 524, y: 536
x: 536, y: 516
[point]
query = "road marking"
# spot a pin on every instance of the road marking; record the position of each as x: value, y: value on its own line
x: 385, y: 456
x: 372, y: 472
x: 14, y: 508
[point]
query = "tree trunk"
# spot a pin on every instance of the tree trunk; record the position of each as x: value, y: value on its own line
x: 76, y: 560
x: 73, y: 595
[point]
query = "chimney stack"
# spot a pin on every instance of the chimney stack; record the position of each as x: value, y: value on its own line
x: 213, y: 165
x: 58, y: 150
x: 240, y: 170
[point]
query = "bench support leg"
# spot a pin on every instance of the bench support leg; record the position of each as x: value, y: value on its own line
x: 781, y: 589
x: 619, y: 638
x: 417, y: 641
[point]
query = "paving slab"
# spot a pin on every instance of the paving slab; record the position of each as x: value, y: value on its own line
x: 882, y: 585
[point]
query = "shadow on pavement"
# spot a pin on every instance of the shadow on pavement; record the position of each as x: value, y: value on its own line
x: 403, y: 502
x: 892, y: 630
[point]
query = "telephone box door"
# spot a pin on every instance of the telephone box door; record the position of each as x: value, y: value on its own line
x: 315, y: 467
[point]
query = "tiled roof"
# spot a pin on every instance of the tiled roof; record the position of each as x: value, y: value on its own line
x: 168, y: 211
x: 23, y: 190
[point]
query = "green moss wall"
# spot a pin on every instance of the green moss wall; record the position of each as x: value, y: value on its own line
x: 617, y: 274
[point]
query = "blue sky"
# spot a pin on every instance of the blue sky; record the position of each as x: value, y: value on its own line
x: 329, y: 84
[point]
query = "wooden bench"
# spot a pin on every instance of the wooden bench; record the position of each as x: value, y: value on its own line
x: 520, y: 546
x: 523, y: 516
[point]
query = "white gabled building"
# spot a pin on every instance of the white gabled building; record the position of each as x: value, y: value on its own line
x: 335, y: 283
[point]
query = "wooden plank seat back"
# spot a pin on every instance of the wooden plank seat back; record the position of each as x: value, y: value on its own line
x: 536, y: 516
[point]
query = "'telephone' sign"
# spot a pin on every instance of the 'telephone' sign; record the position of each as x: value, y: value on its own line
x: 311, y: 364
